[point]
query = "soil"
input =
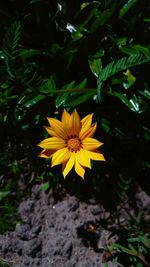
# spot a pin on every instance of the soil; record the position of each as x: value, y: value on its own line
x: 68, y: 232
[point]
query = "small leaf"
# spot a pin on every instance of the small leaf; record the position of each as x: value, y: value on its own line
x: 145, y: 240
x: 48, y: 87
x: 4, y: 194
x: 84, y: 5
x: 130, y: 79
x: 95, y: 66
x: 45, y: 186
x: 105, y: 125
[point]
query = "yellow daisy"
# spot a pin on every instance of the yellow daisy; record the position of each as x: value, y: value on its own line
x: 71, y: 143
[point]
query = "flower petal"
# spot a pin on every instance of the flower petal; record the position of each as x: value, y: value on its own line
x: 65, y: 118
x: 57, y: 126
x: 90, y: 143
x: 45, y: 153
x: 69, y: 165
x: 83, y: 158
x: 75, y: 123
x: 79, y: 169
x: 88, y: 132
x: 87, y: 121
x: 50, y: 131
x: 96, y: 155
x: 60, y: 156
x: 53, y: 143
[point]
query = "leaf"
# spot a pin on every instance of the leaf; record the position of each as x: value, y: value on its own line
x: 27, y: 53
x: 131, y: 250
x: 73, y: 96
x: 126, y: 7
x: 78, y: 98
x: 30, y: 100
x: 95, y: 65
x: 34, y: 1
x: 48, y: 87
x: 117, y: 66
x: 4, y: 194
x: 146, y: 133
x: 145, y: 240
x: 130, y: 79
x: 10, y: 44
x: 146, y: 93
x: 45, y: 186
x: 105, y: 125
x: 62, y: 96
x: 136, y: 49
x: 82, y: 84
x: 132, y: 103
x: 103, y: 17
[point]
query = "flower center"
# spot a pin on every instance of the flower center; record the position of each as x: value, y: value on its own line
x: 74, y: 144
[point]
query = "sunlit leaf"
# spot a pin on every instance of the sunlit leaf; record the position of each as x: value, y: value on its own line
x: 95, y: 65
x: 126, y: 7
x: 130, y: 79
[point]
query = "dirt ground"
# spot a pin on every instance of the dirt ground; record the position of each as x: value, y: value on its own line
x: 59, y: 233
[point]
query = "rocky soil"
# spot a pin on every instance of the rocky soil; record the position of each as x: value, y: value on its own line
x: 68, y: 232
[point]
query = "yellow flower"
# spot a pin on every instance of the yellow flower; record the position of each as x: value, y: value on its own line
x: 71, y: 143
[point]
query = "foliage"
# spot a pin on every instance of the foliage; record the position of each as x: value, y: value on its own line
x: 132, y: 248
x: 91, y: 55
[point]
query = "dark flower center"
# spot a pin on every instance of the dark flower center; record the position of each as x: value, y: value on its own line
x: 73, y: 143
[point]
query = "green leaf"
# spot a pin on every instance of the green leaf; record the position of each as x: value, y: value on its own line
x: 78, y: 33
x: 117, y: 66
x: 82, y: 84
x: 103, y: 17
x: 126, y: 7
x: 73, y: 97
x: 146, y: 93
x: 30, y: 100
x: 4, y: 194
x: 45, y: 186
x: 130, y: 79
x: 105, y: 125
x: 95, y: 65
x: 136, y: 49
x: 78, y: 98
x: 146, y: 133
x: 27, y: 53
x: 10, y: 46
x: 60, y: 100
x: 132, y: 103
x: 131, y: 250
x: 34, y: 1
x: 48, y: 87
x: 145, y: 240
